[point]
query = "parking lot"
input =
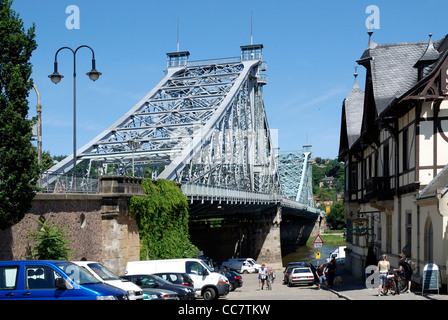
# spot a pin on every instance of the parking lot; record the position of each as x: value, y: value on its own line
x: 350, y: 289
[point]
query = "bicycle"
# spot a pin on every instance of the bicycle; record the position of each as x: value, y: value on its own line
x: 401, y: 283
x: 391, y: 284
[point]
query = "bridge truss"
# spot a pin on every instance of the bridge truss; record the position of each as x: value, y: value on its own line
x: 295, y: 174
x: 204, y: 123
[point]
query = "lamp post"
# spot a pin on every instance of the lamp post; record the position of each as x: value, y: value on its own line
x: 56, y: 78
x: 39, y: 133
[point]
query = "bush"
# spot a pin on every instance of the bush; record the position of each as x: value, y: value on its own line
x: 51, y: 242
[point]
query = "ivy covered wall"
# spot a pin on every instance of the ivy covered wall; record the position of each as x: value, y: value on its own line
x: 162, y: 219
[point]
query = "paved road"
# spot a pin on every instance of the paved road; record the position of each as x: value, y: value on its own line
x: 350, y: 289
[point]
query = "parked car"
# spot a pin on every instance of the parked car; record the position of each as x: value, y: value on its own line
x: 235, y: 280
x: 207, y: 283
x: 301, y: 276
x: 152, y: 281
x: 52, y: 280
x: 177, y: 278
x: 159, y: 294
x: 103, y: 274
x: 289, y: 268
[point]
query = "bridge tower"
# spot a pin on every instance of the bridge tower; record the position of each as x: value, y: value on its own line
x: 296, y: 175
x: 204, y: 123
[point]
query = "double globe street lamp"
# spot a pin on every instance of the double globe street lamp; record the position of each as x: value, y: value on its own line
x: 56, y: 78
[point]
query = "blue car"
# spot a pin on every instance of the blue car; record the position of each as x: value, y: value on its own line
x: 52, y: 280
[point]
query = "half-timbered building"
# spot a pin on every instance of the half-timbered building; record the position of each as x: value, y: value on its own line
x: 394, y: 143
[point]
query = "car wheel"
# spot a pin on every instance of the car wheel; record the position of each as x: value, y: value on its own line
x: 231, y: 287
x: 209, y: 294
x: 245, y: 272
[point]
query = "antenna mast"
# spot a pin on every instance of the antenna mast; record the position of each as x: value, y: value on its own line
x: 251, y: 37
x: 177, y: 34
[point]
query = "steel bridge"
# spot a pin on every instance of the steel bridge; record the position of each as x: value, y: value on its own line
x: 204, y: 126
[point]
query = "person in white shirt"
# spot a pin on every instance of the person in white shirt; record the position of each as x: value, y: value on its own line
x: 262, y: 276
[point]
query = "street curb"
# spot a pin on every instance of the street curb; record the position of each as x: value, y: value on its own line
x: 340, y: 295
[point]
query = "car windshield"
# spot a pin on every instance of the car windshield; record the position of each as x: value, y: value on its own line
x: 207, y: 266
x: 103, y: 272
x: 76, y: 273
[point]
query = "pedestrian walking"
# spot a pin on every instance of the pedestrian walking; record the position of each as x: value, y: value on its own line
x: 320, y: 273
x: 331, y: 269
x: 383, y: 268
x: 262, y: 276
x: 268, y: 278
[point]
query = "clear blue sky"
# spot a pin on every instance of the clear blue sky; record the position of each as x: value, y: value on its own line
x: 310, y: 47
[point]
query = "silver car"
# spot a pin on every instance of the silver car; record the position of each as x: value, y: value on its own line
x: 302, y: 275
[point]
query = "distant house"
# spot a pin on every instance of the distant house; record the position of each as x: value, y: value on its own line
x: 328, y: 180
x: 394, y: 143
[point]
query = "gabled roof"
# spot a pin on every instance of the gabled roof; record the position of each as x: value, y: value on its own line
x: 393, y: 71
x: 392, y: 67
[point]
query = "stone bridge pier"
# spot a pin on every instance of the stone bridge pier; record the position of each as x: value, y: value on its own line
x: 255, y: 235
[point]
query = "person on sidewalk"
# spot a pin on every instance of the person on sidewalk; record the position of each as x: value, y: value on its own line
x: 331, y: 269
x: 320, y: 273
x: 383, y: 267
x: 404, y: 270
x: 262, y: 276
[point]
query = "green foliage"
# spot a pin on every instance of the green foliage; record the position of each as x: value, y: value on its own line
x: 162, y: 219
x: 51, y: 242
x: 328, y: 168
x: 335, y: 219
x: 19, y: 170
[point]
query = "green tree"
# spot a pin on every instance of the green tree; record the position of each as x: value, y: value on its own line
x: 19, y: 170
x: 335, y: 218
x: 51, y: 242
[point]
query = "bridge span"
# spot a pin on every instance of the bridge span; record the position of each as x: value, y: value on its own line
x: 205, y: 127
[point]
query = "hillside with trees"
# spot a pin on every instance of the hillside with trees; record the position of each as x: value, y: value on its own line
x: 330, y: 189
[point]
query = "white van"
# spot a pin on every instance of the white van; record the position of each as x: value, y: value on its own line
x: 250, y: 263
x: 104, y: 275
x: 240, y: 266
x: 207, y: 283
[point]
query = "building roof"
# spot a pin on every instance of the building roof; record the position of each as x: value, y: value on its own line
x: 392, y: 68
x: 354, y: 106
x: 439, y: 182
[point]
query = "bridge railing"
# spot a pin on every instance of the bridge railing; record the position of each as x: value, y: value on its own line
x: 207, y: 62
x: 66, y: 183
x: 193, y: 190
x: 216, y: 193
